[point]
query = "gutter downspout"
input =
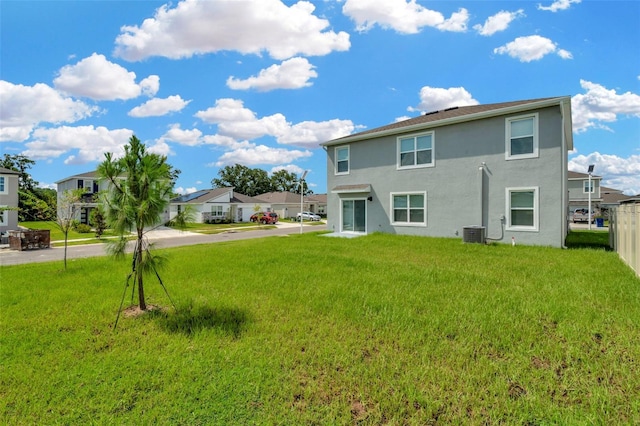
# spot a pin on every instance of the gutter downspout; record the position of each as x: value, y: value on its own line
x: 481, y: 183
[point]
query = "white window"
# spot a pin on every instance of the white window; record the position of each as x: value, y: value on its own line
x: 216, y: 211
x: 3, y: 185
x: 522, y: 209
x: 416, y: 151
x: 3, y: 216
x: 522, y: 137
x: 342, y: 160
x: 409, y: 209
x: 585, y: 187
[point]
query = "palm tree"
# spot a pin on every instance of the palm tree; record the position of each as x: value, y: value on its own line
x: 140, y: 184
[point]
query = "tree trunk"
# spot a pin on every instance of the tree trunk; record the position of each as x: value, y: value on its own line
x: 139, y: 273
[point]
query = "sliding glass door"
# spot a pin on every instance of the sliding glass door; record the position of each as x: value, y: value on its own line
x: 354, y: 216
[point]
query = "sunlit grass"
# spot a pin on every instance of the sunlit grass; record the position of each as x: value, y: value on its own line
x: 306, y: 329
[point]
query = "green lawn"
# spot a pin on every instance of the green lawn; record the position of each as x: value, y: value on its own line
x: 307, y: 329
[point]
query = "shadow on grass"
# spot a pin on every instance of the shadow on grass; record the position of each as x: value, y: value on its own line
x: 191, y: 319
x: 588, y: 239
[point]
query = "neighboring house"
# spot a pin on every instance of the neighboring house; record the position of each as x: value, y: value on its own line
x: 578, y: 187
x: 286, y: 204
x: 317, y: 203
x: 215, y: 204
x: 8, y: 199
x: 499, y: 170
x: 90, y: 183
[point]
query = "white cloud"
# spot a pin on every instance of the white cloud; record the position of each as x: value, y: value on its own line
x: 87, y: 143
x: 97, y: 78
x: 406, y: 17
x: 236, y: 121
x: 23, y: 107
x: 311, y: 133
x: 601, y: 105
x: 158, y: 107
x: 558, y: 5
x: 293, y: 73
x: 161, y: 148
x: 250, y: 26
x: 261, y: 154
x: 183, y: 191
x: 531, y: 48
x: 291, y: 168
x: 183, y: 137
x: 617, y: 172
x: 436, y: 99
x: 498, y: 22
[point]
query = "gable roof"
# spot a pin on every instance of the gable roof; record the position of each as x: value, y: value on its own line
x: 8, y: 171
x: 466, y: 113
x: 201, y: 196
x: 578, y: 175
x: 279, y: 197
x: 87, y: 175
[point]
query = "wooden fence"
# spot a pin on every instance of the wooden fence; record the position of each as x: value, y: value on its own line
x: 624, y: 233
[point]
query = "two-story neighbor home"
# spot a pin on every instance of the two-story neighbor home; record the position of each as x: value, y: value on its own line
x: 578, y: 187
x: 8, y: 199
x: 495, y: 170
x: 90, y: 183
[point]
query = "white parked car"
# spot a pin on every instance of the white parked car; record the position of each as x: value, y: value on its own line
x: 308, y: 216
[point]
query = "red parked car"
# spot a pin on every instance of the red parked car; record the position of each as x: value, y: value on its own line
x: 266, y: 218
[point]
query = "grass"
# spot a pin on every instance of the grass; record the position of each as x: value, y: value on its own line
x: 588, y: 239
x: 374, y: 330
x: 57, y: 235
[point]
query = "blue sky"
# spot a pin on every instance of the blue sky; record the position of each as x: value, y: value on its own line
x: 264, y: 82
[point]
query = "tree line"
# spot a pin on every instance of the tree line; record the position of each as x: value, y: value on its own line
x: 252, y: 182
x: 34, y: 203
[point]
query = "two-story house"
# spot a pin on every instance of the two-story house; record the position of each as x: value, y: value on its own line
x: 90, y: 183
x: 8, y: 199
x: 498, y: 169
x: 578, y: 187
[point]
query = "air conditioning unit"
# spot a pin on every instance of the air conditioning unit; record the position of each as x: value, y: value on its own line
x: 473, y: 234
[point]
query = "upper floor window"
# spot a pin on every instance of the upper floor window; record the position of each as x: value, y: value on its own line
x: 342, y: 160
x: 586, y: 189
x: 415, y: 151
x: 409, y: 208
x: 522, y: 137
x: 3, y: 185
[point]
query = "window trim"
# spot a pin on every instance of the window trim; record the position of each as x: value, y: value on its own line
x: 536, y: 209
x: 336, y: 149
x: 4, y: 215
x: 536, y: 151
x: 585, y: 183
x: 399, y: 165
x: 217, y: 207
x: 5, y: 185
x: 422, y: 224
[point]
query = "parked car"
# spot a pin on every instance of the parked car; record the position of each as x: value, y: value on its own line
x: 270, y: 218
x: 581, y: 215
x: 307, y: 216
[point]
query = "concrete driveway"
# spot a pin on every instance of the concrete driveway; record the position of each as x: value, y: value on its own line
x: 161, y: 237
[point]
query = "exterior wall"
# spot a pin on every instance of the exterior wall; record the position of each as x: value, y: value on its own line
x: 9, y: 198
x: 466, y: 186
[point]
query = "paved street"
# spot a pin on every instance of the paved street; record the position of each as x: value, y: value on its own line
x: 163, y: 238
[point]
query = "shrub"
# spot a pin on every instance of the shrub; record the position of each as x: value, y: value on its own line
x: 82, y: 228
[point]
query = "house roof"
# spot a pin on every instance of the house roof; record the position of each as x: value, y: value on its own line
x: 8, y: 171
x: 578, y: 175
x: 87, y: 175
x: 465, y: 113
x: 201, y: 196
x: 279, y: 197
x: 318, y: 198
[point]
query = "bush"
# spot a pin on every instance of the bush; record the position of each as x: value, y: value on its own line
x: 82, y: 228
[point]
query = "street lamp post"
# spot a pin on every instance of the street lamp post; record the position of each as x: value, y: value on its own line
x: 590, y: 171
x: 304, y: 175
